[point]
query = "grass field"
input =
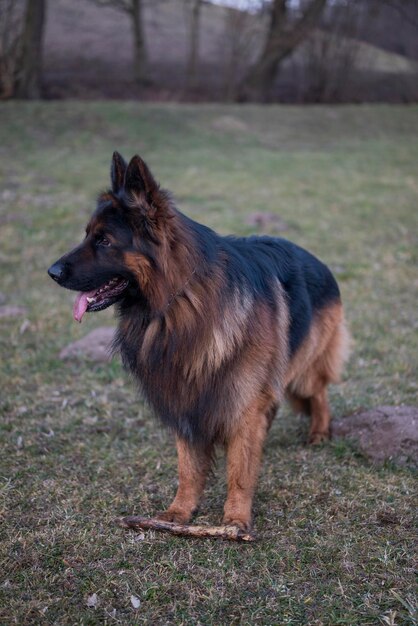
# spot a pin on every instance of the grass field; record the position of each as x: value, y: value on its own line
x: 335, y: 533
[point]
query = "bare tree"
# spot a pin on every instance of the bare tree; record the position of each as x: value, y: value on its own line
x: 330, y: 54
x: 394, y: 26
x: 407, y: 9
x: 242, y: 32
x: 284, y: 34
x: 329, y: 67
x: 11, y: 15
x: 135, y: 10
x: 29, y: 65
x: 193, y: 55
x: 21, y: 37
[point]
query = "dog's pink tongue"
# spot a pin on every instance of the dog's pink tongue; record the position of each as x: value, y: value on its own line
x: 80, y: 305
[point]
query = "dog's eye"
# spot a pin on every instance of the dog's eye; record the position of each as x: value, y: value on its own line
x: 102, y: 241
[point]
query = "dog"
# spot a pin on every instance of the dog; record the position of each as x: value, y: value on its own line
x: 217, y: 330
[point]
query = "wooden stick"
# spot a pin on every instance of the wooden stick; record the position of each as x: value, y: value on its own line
x: 232, y: 533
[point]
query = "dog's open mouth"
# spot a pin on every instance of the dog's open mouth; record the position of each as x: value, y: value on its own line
x: 100, y: 298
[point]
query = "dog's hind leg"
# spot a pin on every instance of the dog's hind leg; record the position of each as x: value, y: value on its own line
x: 194, y: 463
x: 320, y: 417
x: 317, y: 408
x: 299, y: 404
x: 317, y: 364
x: 326, y: 369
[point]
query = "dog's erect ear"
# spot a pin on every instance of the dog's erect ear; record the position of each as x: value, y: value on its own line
x: 138, y: 177
x: 117, y: 171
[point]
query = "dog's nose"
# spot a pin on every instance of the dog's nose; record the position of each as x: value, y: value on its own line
x: 57, y: 271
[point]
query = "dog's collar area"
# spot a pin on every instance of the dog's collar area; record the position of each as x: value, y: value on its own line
x: 173, y: 297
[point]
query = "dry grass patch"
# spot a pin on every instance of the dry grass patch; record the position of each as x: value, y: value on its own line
x: 336, y: 534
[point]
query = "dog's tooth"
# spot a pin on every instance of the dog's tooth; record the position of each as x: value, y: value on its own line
x: 90, y: 300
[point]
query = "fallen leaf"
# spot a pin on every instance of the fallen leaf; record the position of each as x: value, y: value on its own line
x: 24, y: 326
x: 92, y: 600
x: 136, y: 602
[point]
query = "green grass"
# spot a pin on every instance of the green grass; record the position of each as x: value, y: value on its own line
x: 78, y: 446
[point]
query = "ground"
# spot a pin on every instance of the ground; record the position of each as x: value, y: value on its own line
x: 335, y: 532
x: 383, y: 433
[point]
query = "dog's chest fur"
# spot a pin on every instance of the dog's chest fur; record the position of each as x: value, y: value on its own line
x: 188, y: 372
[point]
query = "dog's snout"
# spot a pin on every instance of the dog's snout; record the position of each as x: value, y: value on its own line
x: 58, y: 271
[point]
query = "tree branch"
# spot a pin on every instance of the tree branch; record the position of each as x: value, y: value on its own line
x: 231, y: 533
x: 282, y: 38
x: 400, y: 9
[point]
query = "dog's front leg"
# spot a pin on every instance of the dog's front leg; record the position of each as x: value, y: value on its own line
x: 244, y: 451
x: 194, y: 463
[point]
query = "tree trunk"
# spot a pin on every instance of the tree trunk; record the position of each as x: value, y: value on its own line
x: 282, y: 38
x: 140, y: 50
x: 194, y: 43
x: 29, y: 66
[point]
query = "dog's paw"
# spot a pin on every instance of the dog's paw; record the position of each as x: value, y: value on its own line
x: 318, y: 438
x: 239, y: 523
x: 174, y: 515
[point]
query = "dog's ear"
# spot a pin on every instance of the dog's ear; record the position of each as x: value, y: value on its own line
x: 138, y: 178
x: 117, y: 172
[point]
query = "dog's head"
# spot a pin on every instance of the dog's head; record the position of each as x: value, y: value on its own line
x: 124, y: 241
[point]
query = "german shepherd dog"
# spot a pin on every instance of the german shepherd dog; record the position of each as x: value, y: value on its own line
x: 217, y: 330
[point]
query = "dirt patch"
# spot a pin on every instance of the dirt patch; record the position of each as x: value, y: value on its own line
x: 94, y: 347
x: 228, y: 123
x: 267, y: 222
x: 383, y: 433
